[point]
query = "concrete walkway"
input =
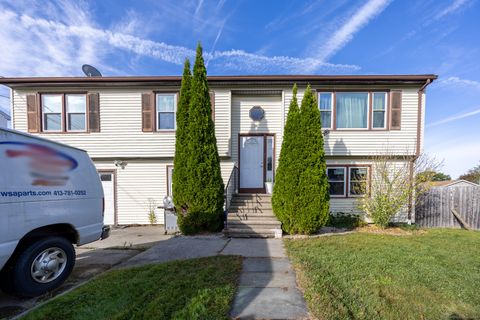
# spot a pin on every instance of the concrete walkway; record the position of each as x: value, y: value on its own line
x: 267, y: 288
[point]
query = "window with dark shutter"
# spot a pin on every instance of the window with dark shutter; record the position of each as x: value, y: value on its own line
x: 33, y: 114
x: 147, y: 112
x: 94, y: 112
x: 396, y: 108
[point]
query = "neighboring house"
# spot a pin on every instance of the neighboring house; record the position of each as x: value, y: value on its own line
x: 127, y: 125
x: 456, y: 183
x: 4, y: 119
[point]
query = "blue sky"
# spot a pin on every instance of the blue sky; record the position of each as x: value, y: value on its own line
x: 41, y: 38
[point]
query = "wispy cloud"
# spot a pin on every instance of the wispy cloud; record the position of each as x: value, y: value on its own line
x: 453, y: 7
x: 199, y: 6
x: 241, y: 60
x: 455, y: 118
x: 39, y: 46
x: 346, y: 32
x: 458, y: 82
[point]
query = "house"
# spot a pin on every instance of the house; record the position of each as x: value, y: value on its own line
x: 4, y: 119
x: 454, y: 183
x: 127, y: 125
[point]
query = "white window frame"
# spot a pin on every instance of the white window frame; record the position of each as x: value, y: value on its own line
x: 44, y: 113
x: 344, y: 181
x: 331, y: 108
x: 368, y: 111
x: 174, y: 110
x: 384, y: 111
x: 67, y: 113
x: 350, y: 195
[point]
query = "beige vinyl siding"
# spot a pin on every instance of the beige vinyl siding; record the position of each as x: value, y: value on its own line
x: 223, y: 121
x: 140, y: 181
x: 366, y: 142
x: 350, y: 205
x: 242, y: 124
x: 121, y: 126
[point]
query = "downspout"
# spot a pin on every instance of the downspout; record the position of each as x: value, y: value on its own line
x: 421, y: 91
x: 12, y: 114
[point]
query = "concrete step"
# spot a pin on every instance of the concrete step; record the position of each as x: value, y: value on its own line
x: 254, y: 225
x: 250, y: 211
x: 252, y: 195
x: 250, y: 202
x: 249, y: 233
x: 251, y: 217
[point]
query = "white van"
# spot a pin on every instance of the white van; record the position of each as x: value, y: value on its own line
x: 51, y: 197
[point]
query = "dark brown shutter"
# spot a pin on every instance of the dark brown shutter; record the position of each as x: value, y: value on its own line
x: 33, y: 113
x: 93, y: 112
x: 396, y: 110
x: 148, y: 112
x: 212, y: 103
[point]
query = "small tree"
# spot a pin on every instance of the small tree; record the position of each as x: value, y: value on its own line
x: 286, y: 177
x: 180, y: 172
x: 434, y: 176
x: 472, y: 175
x: 396, y: 184
x: 205, y: 185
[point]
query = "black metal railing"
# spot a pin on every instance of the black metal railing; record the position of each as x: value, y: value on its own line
x: 230, y: 189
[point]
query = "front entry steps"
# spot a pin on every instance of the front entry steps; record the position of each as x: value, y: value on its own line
x: 251, y: 216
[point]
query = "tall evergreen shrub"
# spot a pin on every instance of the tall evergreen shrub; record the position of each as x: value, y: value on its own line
x: 313, y: 188
x: 205, y: 184
x: 301, y: 192
x: 289, y: 168
x: 180, y: 172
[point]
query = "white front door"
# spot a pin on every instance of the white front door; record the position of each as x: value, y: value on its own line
x: 251, y: 162
x: 108, y: 193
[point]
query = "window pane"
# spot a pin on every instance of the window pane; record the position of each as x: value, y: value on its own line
x: 352, y: 109
x: 326, y: 119
x: 165, y: 103
x: 269, y: 159
x: 358, y: 174
x: 76, y: 121
x: 51, y: 103
x: 378, y: 119
x: 52, y: 122
x: 337, y: 188
x: 357, y: 188
x: 76, y: 103
x: 379, y: 99
x: 106, y: 177
x: 336, y: 174
x: 166, y: 120
x: 325, y: 101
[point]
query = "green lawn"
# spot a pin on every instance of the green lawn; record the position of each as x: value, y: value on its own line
x: 434, y: 275
x: 192, y: 289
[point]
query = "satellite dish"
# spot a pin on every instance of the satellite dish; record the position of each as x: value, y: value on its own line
x: 91, y: 71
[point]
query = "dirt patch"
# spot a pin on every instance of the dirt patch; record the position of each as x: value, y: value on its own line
x: 394, y: 231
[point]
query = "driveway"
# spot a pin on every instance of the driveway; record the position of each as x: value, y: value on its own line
x: 92, y: 259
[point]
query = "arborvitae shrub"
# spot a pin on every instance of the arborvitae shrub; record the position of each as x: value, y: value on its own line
x: 180, y: 172
x: 204, y: 194
x: 301, y: 191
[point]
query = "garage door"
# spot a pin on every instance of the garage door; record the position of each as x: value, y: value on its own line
x: 107, y: 184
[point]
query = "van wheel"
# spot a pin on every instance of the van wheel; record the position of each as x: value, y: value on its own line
x: 42, y: 266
